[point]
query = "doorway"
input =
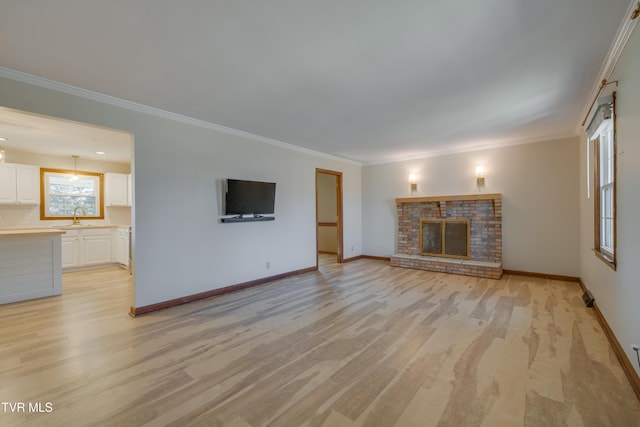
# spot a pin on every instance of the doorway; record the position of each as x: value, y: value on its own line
x: 61, y: 147
x: 329, y: 214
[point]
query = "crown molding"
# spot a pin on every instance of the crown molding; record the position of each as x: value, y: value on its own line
x: 622, y: 37
x: 140, y: 108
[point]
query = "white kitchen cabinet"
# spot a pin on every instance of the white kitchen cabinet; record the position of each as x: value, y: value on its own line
x: 8, y: 181
x: 28, y: 184
x: 86, y: 247
x: 95, y: 246
x: 120, y: 248
x: 19, y: 184
x: 116, y: 186
x: 129, y: 193
x: 70, y: 250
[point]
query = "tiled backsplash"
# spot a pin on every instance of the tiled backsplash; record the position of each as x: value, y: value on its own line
x: 13, y: 216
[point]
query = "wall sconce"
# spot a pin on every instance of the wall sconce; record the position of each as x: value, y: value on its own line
x: 480, y: 176
x: 3, y: 155
x: 636, y: 12
x: 413, y: 182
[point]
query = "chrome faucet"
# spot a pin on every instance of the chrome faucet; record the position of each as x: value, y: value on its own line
x: 76, y: 221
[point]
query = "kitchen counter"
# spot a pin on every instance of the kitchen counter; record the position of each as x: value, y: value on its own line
x: 25, y: 231
x: 87, y: 226
x: 15, y: 232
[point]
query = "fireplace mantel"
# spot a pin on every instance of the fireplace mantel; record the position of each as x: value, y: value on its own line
x: 449, y: 198
x: 484, y: 211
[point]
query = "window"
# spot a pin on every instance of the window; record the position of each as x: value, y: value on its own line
x: 603, y: 138
x: 62, y: 193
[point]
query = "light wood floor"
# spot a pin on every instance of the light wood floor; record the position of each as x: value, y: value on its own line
x: 360, y: 344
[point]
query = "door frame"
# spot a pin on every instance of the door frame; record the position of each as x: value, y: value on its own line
x: 338, y: 175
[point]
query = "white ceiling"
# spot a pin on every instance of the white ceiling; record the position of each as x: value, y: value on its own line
x: 368, y: 80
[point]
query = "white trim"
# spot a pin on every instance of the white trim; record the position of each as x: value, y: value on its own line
x: 622, y: 36
x: 588, y: 168
x: 134, y: 106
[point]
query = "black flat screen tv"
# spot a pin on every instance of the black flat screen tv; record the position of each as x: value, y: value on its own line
x: 249, y: 197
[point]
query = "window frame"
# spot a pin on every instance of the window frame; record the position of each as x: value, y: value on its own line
x: 44, y: 215
x: 606, y: 253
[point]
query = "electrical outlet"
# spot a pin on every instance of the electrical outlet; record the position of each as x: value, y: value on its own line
x: 268, y: 265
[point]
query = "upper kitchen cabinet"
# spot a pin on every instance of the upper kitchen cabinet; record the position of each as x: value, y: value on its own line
x: 19, y: 184
x: 28, y: 184
x: 129, y: 191
x: 8, y: 183
x: 117, y: 189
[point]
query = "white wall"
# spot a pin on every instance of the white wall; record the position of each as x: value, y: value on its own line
x: 12, y: 216
x: 617, y: 293
x: 539, y: 186
x: 180, y: 246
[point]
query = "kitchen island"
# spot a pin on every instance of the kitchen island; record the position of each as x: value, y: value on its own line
x: 30, y: 264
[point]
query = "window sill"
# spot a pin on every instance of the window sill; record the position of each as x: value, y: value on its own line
x: 607, y: 260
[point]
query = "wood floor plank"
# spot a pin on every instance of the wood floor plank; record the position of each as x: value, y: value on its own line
x: 507, y: 360
x: 393, y: 401
x: 336, y: 420
x: 358, y: 397
x: 357, y: 344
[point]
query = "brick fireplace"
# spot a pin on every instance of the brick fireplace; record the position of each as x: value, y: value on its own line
x: 424, y: 236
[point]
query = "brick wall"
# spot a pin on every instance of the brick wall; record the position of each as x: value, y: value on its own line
x: 486, y: 230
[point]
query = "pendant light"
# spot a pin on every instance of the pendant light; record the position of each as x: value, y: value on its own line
x: 75, y: 177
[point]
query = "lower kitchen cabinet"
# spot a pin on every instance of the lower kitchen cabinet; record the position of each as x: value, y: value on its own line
x: 96, y: 246
x: 86, y: 247
x: 120, y: 246
x: 70, y: 249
